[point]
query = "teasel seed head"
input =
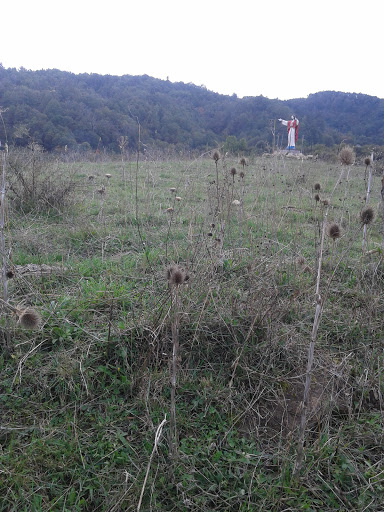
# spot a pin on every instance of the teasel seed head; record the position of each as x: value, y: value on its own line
x: 367, y: 215
x: 334, y: 231
x: 243, y: 162
x: 367, y: 161
x: 242, y: 174
x: 347, y: 156
x: 233, y: 171
x: 10, y: 274
x: 317, y: 198
x: 301, y: 261
x: 325, y: 202
x: 177, y: 275
x: 216, y: 156
x: 28, y: 318
x: 317, y: 186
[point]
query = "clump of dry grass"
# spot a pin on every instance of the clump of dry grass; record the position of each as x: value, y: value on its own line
x: 346, y: 156
x: 367, y: 215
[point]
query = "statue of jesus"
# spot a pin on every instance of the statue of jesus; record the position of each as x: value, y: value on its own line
x: 292, y: 131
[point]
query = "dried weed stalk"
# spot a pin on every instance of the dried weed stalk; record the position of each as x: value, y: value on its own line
x: 176, y: 277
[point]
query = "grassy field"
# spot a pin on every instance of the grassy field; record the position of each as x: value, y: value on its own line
x: 98, y: 248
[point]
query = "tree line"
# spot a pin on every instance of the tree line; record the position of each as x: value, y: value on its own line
x: 58, y: 110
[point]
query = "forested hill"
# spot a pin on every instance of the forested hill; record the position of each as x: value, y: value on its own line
x: 58, y: 109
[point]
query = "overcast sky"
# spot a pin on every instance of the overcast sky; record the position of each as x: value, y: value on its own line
x: 276, y: 48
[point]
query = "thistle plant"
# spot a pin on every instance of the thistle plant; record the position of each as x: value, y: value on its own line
x: 367, y: 198
x: 216, y: 157
x: 122, y: 142
x: 382, y: 209
x: 367, y: 162
x: 367, y: 215
x: 334, y: 232
x: 2, y: 241
x: 27, y: 317
x: 176, y: 277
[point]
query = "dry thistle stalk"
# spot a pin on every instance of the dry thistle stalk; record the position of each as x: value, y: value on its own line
x: 311, y: 348
x: 368, y: 215
x: 176, y: 276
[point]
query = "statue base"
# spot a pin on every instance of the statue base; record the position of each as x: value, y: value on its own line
x: 289, y: 152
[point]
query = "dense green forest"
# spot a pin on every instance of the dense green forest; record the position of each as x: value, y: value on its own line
x: 59, y: 109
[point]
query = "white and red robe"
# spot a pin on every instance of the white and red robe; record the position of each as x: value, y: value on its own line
x: 292, y: 131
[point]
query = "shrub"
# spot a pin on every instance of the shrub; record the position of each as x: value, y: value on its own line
x: 36, y: 182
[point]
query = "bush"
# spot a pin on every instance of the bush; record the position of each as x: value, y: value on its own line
x: 37, y: 182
